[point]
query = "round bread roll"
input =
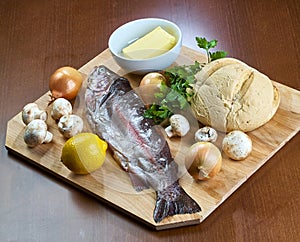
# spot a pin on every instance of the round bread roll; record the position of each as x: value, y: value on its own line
x: 230, y: 95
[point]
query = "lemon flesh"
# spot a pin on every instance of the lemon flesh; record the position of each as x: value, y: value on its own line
x: 84, y: 153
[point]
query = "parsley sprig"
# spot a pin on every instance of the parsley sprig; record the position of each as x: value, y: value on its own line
x: 181, y: 78
x: 176, y: 95
x: 180, y: 81
x: 203, y: 43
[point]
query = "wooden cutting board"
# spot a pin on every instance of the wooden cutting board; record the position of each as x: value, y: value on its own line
x: 111, y: 184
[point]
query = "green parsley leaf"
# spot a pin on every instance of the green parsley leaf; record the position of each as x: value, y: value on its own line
x: 217, y: 55
x: 158, y: 113
x: 181, y: 78
x: 203, y: 43
x: 175, y: 96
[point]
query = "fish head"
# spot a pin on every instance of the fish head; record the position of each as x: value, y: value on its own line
x: 98, y: 84
x: 100, y: 79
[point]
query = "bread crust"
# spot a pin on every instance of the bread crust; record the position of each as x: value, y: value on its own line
x: 230, y: 95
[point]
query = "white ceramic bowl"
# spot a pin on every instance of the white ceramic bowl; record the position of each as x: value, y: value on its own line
x: 125, y: 34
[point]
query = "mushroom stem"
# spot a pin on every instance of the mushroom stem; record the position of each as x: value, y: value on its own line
x: 48, y: 137
x: 169, y: 131
x: 179, y: 126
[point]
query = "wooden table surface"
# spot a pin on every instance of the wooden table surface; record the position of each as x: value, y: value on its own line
x: 37, y: 37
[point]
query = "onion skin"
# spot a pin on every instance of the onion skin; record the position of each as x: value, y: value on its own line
x: 149, y: 85
x: 65, y: 82
x: 204, y: 160
x: 152, y: 78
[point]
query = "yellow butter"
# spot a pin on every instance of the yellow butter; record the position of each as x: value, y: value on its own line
x: 155, y: 43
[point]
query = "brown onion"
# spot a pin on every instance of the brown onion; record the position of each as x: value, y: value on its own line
x: 149, y: 85
x: 152, y: 78
x: 65, y: 82
x: 204, y: 160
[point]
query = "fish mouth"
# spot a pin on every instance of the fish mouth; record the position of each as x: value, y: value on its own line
x: 100, y: 79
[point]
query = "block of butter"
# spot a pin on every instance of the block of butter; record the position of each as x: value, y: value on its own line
x: 155, y: 43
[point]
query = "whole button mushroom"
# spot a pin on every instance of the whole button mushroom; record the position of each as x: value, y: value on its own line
x: 31, y: 111
x: 61, y: 107
x: 36, y: 133
x: 70, y: 125
x: 179, y: 126
x: 237, y: 145
x: 206, y: 134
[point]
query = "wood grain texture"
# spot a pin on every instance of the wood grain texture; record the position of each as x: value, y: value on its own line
x: 112, y: 185
x: 36, y: 37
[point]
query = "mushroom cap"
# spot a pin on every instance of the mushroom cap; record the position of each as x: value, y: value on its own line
x: 70, y: 125
x: 35, y: 132
x: 29, y: 106
x: 179, y: 124
x: 61, y: 107
x: 237, y: 145
x: 31, y: 111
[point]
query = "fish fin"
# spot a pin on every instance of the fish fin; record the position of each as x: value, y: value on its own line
x: 136, y: 174
x: 121, y: 159
x: 173, y: 200
x: 138, y: 178
x: 138, y: 183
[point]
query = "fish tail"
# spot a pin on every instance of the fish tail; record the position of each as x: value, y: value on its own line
x: 173, y: 200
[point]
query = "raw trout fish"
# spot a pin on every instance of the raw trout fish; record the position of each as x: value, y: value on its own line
x: 115, y: 113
